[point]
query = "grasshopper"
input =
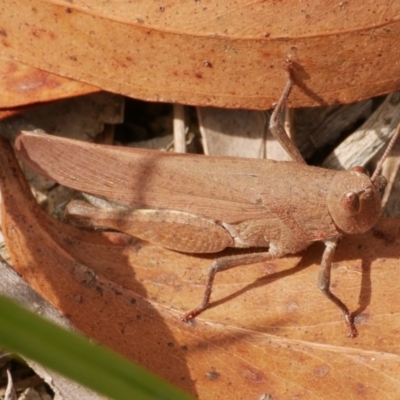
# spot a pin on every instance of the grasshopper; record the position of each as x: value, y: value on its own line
x: 204, y: 204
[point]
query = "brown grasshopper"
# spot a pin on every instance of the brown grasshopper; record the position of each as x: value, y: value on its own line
x: 203, y: 204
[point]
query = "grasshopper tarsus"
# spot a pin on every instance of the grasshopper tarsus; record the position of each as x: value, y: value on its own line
x: 289, y: 68
x: 353, y: 333
x: 191, y: 315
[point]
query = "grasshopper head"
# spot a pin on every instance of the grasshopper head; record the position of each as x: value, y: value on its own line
x: 354, y: 200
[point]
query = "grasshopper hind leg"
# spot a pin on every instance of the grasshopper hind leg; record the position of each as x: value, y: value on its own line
x: 223, y: 264
x: 324, y: 280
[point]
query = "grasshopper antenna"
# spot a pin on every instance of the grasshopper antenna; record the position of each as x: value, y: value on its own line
x: 378, y: 168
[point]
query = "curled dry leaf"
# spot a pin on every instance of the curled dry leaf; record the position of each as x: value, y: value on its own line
x: 227, y: 54
x: 14, y: 287
x: 269, y: 331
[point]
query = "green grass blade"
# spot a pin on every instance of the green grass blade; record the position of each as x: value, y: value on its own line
x: 77, y: 358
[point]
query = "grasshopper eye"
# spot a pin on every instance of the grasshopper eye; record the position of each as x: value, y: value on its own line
x: 350, y: 203
x: 354, y: 202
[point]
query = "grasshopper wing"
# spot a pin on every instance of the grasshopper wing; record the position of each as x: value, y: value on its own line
x: 226, y: 189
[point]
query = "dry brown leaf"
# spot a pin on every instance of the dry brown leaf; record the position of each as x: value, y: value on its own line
x: 22, y: 85
x: 227, y: 54
x: 269, y: 331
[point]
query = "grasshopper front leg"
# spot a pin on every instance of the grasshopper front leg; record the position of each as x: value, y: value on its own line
x: 324, y: 280
x: 276, y: 126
